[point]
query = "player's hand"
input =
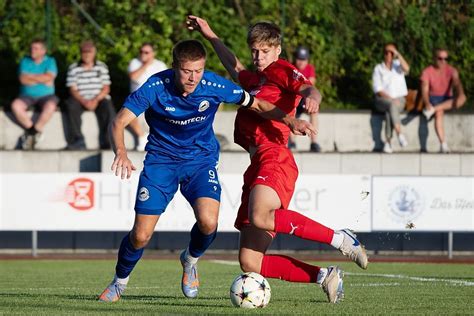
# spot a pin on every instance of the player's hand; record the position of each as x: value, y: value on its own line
x: 195, y: 23
x: 122, y: 166
x: 302, y: 127
x: 311, y: 105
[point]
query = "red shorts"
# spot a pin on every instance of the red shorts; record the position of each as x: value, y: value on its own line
x: 273, y: 166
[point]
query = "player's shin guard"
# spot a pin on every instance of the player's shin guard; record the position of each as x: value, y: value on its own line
x: 288, y: 269
x: 199, y: 241
x: 128, y: 257
x: 293, y: 223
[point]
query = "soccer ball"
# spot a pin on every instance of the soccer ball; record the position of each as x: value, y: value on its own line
x: 250, y: 290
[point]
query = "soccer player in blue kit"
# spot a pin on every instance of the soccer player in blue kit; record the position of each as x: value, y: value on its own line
x: 180, y: 105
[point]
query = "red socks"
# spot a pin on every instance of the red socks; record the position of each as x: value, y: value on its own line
x: 288, y: 269
x: 293, y: 223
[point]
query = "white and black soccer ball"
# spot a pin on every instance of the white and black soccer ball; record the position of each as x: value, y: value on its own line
x: 250, y: 290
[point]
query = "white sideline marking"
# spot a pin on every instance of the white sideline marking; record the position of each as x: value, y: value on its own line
x: 226, y: 262
x: 373, y: 284
x: 414, y: 278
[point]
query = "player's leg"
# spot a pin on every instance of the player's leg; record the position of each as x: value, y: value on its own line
x: 254, y: 243
x: 202, y: 235
x: 130, y: 252
x: 157, y: 185
x: 19, y: 109
x: 48, y: 106
x: 272, y: 186
x: 105, y: 114
x: 74, y: 136
x: 202, y: 190
x: 439, y: 128
x: 265, y: 214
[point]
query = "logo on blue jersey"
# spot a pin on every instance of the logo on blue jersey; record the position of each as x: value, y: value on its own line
x: 170, y: 108
x: 196, y: 119
x: 143, y: 194
x: 203, y: 106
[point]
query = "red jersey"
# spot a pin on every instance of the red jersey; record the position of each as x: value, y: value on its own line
x: 279, y: 84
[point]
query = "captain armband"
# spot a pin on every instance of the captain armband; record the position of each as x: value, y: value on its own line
x: 246, y: 100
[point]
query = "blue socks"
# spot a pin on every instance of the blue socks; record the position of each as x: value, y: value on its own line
x: 200, y: 242
x: 128, y: 257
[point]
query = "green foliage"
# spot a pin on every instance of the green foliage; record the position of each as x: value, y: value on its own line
x: 345, y: 37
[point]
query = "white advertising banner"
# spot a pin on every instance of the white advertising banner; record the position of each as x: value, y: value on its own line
x: 423, y: 203
x: 337, y: 201
x: 103, y: 202
x: 93, y: 202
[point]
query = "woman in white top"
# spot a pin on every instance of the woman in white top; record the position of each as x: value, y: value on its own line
x: 390, y: 89
x: 139, y: 70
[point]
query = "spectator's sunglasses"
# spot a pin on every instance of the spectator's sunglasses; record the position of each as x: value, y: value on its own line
x: 441, y: 58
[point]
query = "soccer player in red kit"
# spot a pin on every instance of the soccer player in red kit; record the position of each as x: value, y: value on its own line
x: 269, y: 181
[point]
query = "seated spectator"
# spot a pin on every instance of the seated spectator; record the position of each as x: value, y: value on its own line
x: 437, y: 84
x: 390, y: 88
x: 89, y: 86
x: 36, y: 74
x: 301, y: 62
x: 139, y: 70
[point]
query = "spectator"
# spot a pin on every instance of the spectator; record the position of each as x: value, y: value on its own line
x: 89, y: 85
x: 139, y: 70
x: 301, y: 62
x: 437, y: 84
x: 390, y: 90
x: 36, y: 74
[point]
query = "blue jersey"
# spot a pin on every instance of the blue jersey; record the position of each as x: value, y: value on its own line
x: 28, y: 66
x: 181, y: 126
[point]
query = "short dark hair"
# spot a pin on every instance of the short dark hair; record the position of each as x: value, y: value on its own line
x: 188, y: 50
x: 264, y: 32
x: 38, y: 41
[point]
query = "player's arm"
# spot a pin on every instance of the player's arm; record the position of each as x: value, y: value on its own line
x: 231, y: 63
x: 312, y: 98
x: 122, y: 165
x: 136, y: 72
x: 269, y: 111
x: 27, y: 79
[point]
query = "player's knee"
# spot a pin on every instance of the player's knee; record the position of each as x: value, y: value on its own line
x: 259, y: 218
x: 140, y: 239
x: 249, y: 264
x: 207, y: 226
x: 50, y: 106
x: 17, y: 106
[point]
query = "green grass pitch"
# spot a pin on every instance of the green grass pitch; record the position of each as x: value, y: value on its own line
x: 71, y: 286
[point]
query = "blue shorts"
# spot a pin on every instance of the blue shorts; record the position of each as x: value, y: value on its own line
x: 161, y: 176
x: 435, y: 100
